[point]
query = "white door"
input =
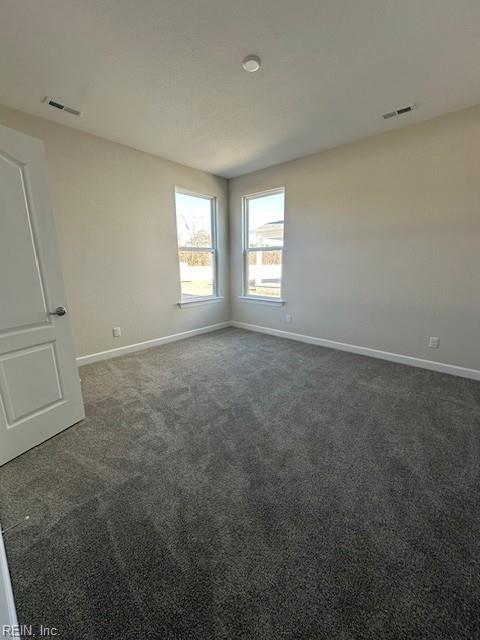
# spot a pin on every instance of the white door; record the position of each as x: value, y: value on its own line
x: 39, y: 383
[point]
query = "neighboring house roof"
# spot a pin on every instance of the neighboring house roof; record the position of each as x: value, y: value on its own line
x: 270, y: 231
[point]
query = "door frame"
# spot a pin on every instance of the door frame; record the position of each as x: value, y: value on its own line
x: 8, y: 614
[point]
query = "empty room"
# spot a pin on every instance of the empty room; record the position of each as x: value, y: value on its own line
x: 240, y: 319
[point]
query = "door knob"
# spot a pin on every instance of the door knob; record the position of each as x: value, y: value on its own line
x: 59, y: 311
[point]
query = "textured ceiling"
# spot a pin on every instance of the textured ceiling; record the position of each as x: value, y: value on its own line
x: 165, y: 76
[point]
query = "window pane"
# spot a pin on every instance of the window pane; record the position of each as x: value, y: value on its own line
x: 196, y: 273
x: 194, y: 220
x: 264, y: 275
x: 265, y: 220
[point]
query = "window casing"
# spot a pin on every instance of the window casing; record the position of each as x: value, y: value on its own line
x: 263, y: 243
x: 197, y: 245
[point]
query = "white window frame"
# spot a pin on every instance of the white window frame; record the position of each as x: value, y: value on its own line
x: 246, y: 249
x: 184, y: 301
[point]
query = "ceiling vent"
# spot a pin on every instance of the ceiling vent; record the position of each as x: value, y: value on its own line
x: 398, y: 112
x: 63, y: 107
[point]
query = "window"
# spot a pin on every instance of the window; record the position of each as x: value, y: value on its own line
x: 197, y: 245
x: 263, y: 246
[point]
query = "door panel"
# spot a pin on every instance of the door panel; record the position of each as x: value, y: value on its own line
x: 28, y: 308
x: 29, y: 381
x: 39, y: 384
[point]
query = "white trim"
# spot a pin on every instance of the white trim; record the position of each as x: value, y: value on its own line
x: 265, y: 192
x: 214, y: 233
x: 246, y: 249
x: 259, y: 300
x: 139, y: 346
x: 264, y: 249
x: 195, y: 301
x: 442, y: 367
x: 8, y: 615
x: 195, y: 194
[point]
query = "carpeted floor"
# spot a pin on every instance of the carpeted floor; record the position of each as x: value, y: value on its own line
x: 237, y: 485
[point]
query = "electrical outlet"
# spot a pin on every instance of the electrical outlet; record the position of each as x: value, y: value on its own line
x: 117, y: 332
x: 434, y: 343
x: 288, y: 318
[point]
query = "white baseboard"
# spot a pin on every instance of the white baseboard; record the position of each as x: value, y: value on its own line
x: 442, y: 367
x: 139, y: 346
x: 8, y: 616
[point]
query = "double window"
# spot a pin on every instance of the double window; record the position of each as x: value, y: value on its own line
x: 262, y: 249
x: 263, y: 244
x: 197, y: 245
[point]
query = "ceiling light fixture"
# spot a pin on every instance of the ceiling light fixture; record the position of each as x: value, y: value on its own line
x: 251, y: 64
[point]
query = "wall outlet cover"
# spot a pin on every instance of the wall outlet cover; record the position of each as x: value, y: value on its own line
x: 117, y: 332
x: 434, y: 343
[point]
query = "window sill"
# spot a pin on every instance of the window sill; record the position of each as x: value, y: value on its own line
x: 188, y: 302
x: 276, y: 302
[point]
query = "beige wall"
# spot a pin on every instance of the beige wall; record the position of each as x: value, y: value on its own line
x: 382, y: 242
x: 114, y: 213
x: 382, y: 239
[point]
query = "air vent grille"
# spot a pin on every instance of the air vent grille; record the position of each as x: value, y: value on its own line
x: 59, y: 105
x: 398, y: 112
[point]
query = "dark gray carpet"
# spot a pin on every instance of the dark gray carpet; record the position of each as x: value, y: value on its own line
x: 237, y: 485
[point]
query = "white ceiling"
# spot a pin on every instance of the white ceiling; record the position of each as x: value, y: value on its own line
x: 165, y: 76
